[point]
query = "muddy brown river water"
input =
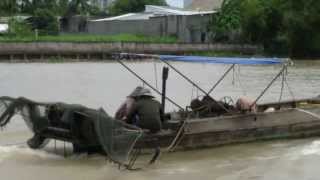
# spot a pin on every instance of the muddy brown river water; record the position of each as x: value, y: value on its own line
x: 106, y: 85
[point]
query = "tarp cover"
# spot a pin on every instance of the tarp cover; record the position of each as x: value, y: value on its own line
x: 222, y: 60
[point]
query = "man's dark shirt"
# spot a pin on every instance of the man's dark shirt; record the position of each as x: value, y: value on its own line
x: 149, y: 113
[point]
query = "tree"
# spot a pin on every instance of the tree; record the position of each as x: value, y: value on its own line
x: 19, y: 28
x: 46, y: 22
x: 302, y: 24
x: 63, y: 7
x: 127, y: 6
x: 8, y: 7
x: 226, y: 21
x: 281, y: 26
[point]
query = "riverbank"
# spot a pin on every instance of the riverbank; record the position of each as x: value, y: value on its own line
x: 87, y: 38
x: 87, y: 51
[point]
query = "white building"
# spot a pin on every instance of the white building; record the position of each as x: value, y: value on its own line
x: 179, y: 3
x: 187, y: 25
x: 4, y: 28
x: 203, y: 5
x: 152, y: 11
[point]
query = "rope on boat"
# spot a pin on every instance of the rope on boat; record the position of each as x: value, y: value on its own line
x: 290, y: 63
x: 193, y: 83
x: 282, y: 85
x: 177, y: 138
x: 14, y: 144
x: 240, y: 82
x: 155, y: 73
x: 290, y: 90
x: 269, y: 85
x: 146, y: 83
x: 221, y: 79
x: 233, y: 76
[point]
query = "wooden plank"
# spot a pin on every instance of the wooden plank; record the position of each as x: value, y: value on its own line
x: 248, y: 121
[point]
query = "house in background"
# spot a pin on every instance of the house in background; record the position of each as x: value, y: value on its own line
x: 179, y: 3
x: 183, y: 4
x: 187, y: 25
x: 3, y: 28
x: 73, y: 24
x: 202, y: 5
x: 205, y: 5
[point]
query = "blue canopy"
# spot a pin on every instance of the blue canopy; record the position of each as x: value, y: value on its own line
x: 222, y: 60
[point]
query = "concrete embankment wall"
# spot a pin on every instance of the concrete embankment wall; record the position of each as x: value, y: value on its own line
x: 40, y: 50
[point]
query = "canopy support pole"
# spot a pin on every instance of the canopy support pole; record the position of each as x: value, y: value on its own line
x: 194, y: 84
x: 146, y: 83
x: 222, y: 78
x: 269, y: 85
x: 165, y: 73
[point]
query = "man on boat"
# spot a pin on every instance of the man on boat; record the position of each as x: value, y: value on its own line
x: 125, y: 107
x: 146, y: 112
x: 246, y: 104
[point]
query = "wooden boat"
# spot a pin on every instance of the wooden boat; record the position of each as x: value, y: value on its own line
x: 291, y: 119
x: 91, y: 130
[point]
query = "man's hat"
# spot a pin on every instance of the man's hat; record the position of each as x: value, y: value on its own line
x: 136, y: 92
x: 146, y: 92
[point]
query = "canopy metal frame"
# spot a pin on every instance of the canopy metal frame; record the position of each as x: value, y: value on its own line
x: 167, y: 58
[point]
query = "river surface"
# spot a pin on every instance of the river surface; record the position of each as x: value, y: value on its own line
x: 107, y: 84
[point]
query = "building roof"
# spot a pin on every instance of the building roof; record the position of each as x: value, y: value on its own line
x: 205, y: 5
x: 179, y: 3
x: 129, y: 16
x: 153, y: 11
x: 166, y: 10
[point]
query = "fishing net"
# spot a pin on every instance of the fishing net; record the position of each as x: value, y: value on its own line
x: 82, y: 126
x: 33, y: 113
x: 7, y: 110
x: 116, y: 137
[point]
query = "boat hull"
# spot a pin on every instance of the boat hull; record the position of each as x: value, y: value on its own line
x: 210, y: 132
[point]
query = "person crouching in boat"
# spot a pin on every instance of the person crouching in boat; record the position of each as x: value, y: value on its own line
x: 146, y: 112
x: 125, y: 107
x: 245, y: 104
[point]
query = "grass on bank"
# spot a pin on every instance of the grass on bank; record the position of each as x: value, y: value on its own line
x: 89, y: 38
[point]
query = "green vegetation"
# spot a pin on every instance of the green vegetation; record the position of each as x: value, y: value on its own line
x: 58, y: 7
x: 8, y: 7
x: 18, y: 28
x: 283, y: 27
x: 127, y: 6
x: 46, y: 22
x: 43, y: 19
x: 44, y: 13
x: 89, y: 38
x: 287, y: 27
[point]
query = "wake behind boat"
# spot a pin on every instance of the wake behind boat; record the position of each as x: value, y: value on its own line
x: 212, y: 123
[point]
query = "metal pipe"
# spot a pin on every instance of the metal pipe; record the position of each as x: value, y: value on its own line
x: 219, y: 81
x: 269, y: 85
x: 194, y: 84
x: 165, y: 72
x: 149, y: 85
